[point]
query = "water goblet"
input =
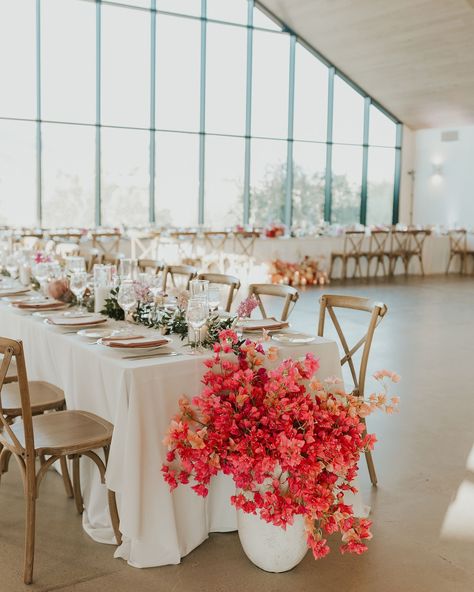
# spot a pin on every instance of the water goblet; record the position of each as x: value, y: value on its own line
x: 197, y: 314
x: 214, y: 297
x: 78, y: 285
x: 127, y: 297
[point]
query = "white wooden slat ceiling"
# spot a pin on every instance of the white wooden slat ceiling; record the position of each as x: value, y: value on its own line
x: 416, y: 57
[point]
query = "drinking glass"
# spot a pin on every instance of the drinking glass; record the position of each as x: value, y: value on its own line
x: 197, y: 314
x: 126, y: 297
x: 41, y: 273
x: 78, y: 285
x: 199, y: 289
x: 12, y: 266
x: 74, y: 263
x: 214, y: 297
x: 128, y: 269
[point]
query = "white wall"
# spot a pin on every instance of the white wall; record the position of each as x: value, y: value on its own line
x: 406, y: 181
x: 447, y: 198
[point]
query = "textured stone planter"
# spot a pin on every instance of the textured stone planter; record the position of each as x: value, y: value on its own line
x: 270, y: 547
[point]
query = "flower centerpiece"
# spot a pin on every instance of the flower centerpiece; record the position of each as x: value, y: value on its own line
x: 306, y: 272
x: 290, y: 443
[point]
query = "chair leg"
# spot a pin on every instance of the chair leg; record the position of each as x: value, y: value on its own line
x: 5, y: 456
x: 371, y: 467
x: 29, y: 537
x: 421, y: 265
x: 114, y: 516
x: 66, y: 479
x: 76, y: 483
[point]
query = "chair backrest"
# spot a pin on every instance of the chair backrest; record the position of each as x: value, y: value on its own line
x: 289, y: 294
x: 150, y: 265
x: 107, y: 242
x: 226, y: 280
x: 188, y: 272
x: 378, y: 242
x: 377, y: 310
x: 399, y: 240
x: 111, y: 258
x: 353, y: 241
x: 13, y: 350
x: 416, y: 239
x: 458, y: 240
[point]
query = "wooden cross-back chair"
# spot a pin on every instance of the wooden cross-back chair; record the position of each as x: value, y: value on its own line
x: 106, y: 241
x: 151, y: 265
x: 244, y: 242
x: 458, y: 248
x: 288, y: 293
x: 215, y: 240
x: 353, y: 245
x: 58, y: 435
x: 398, y: 248
x: 172, y: 272
x: 414, y: 247
x: 377, y: 310
x: 377, y: 250
x: 226, y: 280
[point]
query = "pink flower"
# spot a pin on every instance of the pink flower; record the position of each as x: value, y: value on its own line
x: 246, y: 307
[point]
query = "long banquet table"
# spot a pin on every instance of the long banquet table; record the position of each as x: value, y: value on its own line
x: 139, y: 397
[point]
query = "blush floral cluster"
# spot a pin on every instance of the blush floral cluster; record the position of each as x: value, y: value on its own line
x: 290, y: 443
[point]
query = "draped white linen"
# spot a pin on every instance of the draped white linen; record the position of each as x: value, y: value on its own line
x: 139, y: 398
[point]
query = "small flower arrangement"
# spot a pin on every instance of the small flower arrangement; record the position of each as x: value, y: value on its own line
x: 59, y: 290
x: 304, y: 273
x: 275, y: 230
x: 290, y: 443
x: 42, y: 257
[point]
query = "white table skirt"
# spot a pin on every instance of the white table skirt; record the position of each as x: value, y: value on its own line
x: 139, y: 398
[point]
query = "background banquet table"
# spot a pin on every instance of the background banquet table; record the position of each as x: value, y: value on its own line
x: 139, y: 398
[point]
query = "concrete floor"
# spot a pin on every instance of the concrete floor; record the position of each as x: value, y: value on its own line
x: 423, y: 509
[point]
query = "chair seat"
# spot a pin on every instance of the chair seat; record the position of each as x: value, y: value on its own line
x: 64, y: 432
x: 43, y: 396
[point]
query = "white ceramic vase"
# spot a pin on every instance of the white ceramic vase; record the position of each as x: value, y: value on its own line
x: 270, y: 547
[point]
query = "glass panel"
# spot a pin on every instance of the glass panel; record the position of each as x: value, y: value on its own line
x: 177, y: 179
x: 309, y: 168
x: 311, y: 96
x: 142, y: 3
x: 68, y: 175
x: 226, y: 79
x: 17, y: 173
x: 348, y: 114
x: 380, y: 180
x: 224, y: 184
x: 192, y: 7
x: 270, y: 84
x: 125, y: 67
x: 125, y: 177
x: 17, y: 58
x: 346, y: 184
x: 178, y: 46
x: 68, y: 60
x: 267, y: 181
x: 382, y: 130
x: 232, y: 11
x: 260, y: 19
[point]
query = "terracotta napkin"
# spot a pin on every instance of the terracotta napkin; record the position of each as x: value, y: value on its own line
x: 269, y: 324
x: 111, y: 342
x: 76, y: 322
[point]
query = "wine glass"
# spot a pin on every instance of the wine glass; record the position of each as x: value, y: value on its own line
x: 199, y: 289
x: 127, y: 297
x: 214, y: 297
x: 196, y: 315
x: 128, y: 269
x: 78, y: 285
x: 41, y: 272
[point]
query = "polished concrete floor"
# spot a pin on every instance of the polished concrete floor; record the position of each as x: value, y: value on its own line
x: 423, y: 509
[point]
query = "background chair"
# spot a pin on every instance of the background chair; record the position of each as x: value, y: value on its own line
x: 377, y: 250
x: 458, y: 248
x: 398, y: 248
x: 414, y: 247
x: 226, y: 280
x: 328, y: 304
x: 185, y: 273
x: 151, y: 265
x: 56, y: 435
x: 288, y: 293
x: 353, y: 244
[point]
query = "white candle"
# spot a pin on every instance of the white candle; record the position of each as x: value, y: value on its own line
x: 101, y: 293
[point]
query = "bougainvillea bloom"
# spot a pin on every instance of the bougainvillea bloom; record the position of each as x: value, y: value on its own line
x: 290, y: 444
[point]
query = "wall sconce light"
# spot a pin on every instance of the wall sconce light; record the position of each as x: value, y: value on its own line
x: 437, y: 169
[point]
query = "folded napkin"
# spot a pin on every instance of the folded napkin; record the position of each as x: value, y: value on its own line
x: 39, y: 304
x: 122, y: 337
x: 269, y: 324
x: 132, y: 342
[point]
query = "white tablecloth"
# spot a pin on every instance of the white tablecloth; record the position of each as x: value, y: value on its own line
x: 139, y: 398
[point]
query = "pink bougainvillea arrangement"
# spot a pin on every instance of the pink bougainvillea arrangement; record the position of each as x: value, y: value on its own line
x: 290, y: 443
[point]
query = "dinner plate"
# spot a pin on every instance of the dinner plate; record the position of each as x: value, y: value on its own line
x: 257, y: 325
x: 82, y: 322
x: 31, y: 309
x: 93, y: 333
x: 293, y: 338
